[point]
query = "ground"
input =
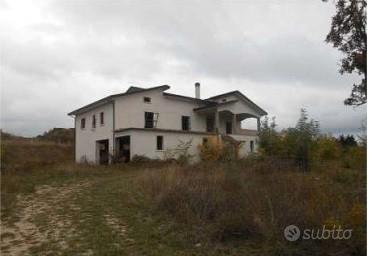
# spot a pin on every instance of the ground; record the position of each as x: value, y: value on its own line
x: 86, y: 215
x: 95, y: 213
x: 52, y: 206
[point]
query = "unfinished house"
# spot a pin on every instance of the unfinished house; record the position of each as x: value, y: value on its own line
x: 152, y: 122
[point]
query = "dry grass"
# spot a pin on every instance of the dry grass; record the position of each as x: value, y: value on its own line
x: 251, y: 200
x: 25, y: 163
x: 212, y: 208
x: 26, y: 154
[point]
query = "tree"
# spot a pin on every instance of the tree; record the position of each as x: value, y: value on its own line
x: 348, y: 34
x: 306, y: 132
x: 298, y: 144
x: 347, y: 141
x: 269, y: 140
x: 363, y: 136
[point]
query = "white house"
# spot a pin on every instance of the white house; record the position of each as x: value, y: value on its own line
x: 152, y: 122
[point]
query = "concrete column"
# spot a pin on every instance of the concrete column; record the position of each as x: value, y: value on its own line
x: 216, y: 121
x: 258, y: 124
x: 234, y: 130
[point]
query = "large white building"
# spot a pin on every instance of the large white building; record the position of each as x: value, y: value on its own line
x: 151, y: 122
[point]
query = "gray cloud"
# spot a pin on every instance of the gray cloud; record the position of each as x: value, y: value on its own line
x: 59, y: 55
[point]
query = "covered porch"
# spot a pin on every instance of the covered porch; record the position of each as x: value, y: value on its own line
x: 225, y: 121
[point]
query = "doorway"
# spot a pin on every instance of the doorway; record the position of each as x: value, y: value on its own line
x: 228, y: 127
x: 210, y: 124
x: 102, y: 149
x: 123, y: 148
x: 251, y: 145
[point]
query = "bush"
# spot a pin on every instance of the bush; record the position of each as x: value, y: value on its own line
x: 356, y: 157
x: 180, y: 153
x: 211, y: 149
x: 141, y: 159
x: 298, y: 144
x: 328, y: 148
x: 270, y: 141
x: 218, y: 149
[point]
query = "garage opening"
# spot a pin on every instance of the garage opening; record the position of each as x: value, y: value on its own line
x: 123, y: 148
x: 102, y: 149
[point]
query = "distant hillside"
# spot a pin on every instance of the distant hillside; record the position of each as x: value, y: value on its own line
x: 9, y: 136
x: 59, y: 135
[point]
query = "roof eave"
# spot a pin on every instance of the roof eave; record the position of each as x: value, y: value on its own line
x: 261, y: 111
x: 111, y: 97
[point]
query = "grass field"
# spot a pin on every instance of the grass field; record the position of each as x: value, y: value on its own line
x: 51, y: 206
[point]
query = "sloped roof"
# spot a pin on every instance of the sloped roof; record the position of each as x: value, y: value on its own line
x: 213, y: 104
x: 210, y: 102
x: 242, y: 96
x: 186, y: 98
x: 131, y: 90
x: 134, y: 89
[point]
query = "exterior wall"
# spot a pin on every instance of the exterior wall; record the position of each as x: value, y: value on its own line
x: 129, y: 111
x: 85, y: 148
x: 144, y: 143
x: 245, y: 148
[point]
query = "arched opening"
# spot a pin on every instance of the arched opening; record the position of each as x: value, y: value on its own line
x: 249, y: 123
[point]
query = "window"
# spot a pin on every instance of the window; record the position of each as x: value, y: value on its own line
x: 185, y: 123
x: 82, y: 123
x: 151, y: 119
x: 102, y: 118
x: 205, y: 141
x: 147, y: 99
x: 94, y: 121
x: 159, y: 142
x: 251, y: 145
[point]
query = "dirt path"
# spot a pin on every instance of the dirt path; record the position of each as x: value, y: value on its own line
x: 43, y: 216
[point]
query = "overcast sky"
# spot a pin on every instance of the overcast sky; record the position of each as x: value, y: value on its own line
x: 59, y: 55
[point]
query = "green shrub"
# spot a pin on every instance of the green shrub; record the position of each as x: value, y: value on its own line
x: 297, y: 143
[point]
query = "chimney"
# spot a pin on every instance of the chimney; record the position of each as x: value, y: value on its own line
x: 197, y: 90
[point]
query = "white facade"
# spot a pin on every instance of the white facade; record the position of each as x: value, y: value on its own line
x: 144, y: 143
x: 86, y: 138
x: 123, y: 131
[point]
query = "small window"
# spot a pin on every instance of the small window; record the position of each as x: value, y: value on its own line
x: 185, y: 123
x: 151, y: 119
x: 205, y: 141
x: 102, y: 118
x: 82, y: 123
x: 94, y: 121
x: 251, y: 145
x: 159, y: 142
x: 147, y: 99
